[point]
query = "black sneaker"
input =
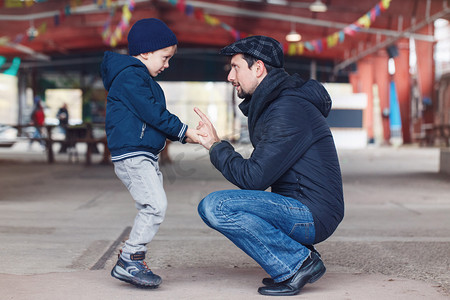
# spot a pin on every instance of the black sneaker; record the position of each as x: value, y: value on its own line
x: 136, y: 272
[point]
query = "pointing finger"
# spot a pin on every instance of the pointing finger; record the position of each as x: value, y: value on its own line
x: 201, y: 115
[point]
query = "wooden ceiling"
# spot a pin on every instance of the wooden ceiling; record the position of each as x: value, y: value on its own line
x: 80, y: 24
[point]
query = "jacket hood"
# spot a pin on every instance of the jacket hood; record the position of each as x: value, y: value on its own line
x: 114, y: 63
x: 314, y: 92
x: 279, y: 82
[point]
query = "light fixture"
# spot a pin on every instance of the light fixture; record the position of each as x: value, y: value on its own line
x: 293, y: 36
x: 318, y: 6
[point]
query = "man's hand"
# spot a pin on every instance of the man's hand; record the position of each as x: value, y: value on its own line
x: 206, y: 127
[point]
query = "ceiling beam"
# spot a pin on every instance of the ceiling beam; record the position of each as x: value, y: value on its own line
x: 31, y: 52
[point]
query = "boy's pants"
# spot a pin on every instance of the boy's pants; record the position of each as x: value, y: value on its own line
x: 143, y: 179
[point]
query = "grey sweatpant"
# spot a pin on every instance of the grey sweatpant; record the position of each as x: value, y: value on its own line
x: 143, y: 179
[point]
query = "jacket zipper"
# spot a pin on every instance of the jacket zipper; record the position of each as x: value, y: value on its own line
x: 142, y: 131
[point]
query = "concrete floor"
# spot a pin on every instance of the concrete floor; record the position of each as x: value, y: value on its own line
x: 61, y: 226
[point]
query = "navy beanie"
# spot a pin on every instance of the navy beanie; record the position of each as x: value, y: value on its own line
x: 148, y: 35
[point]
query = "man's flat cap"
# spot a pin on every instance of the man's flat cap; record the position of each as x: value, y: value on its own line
x: 261, y: 47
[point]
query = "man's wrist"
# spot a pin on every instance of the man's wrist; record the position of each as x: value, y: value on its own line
x: 214, y: 145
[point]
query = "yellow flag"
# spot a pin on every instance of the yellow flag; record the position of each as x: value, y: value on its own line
x: 13, y: 3
x: 386, y: 3
x: 300, y: 48
x: 126, y: 13
x: 364, y: 21
x: 292, y: 49
x: 42, y: 28
x: 4, y: 40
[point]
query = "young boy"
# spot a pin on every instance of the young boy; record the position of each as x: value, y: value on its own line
x: 137, y: 125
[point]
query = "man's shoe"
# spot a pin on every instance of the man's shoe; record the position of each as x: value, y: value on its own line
x: 136, y: 272
x: 270, y: 281
x: 310, y: 271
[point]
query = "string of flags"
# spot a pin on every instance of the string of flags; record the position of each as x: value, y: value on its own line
x: 297, y: 48
x: 111, y: 35
x: 336, y: 38
x: 32, y: 32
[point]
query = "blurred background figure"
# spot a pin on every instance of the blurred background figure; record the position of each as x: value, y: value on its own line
x: 37, y: 119
x: 63, y: 117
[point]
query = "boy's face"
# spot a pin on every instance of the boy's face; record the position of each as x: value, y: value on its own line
x: 157, y: 61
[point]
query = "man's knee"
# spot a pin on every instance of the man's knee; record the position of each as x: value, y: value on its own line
x: 208, y: 208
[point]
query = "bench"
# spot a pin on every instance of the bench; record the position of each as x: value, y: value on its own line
x: 74, y: 135
x: 432, y: 135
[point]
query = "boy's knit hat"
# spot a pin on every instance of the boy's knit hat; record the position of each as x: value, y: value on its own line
x: 148, y: 35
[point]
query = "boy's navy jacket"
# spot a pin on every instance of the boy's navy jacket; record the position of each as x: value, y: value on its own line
x: 294, y: 151
x: 137, y: 121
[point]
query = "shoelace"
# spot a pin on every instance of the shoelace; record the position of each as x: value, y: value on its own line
x: 146, y: 268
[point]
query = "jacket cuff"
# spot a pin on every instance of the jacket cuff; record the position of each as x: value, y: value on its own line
x: 182, y: 134
x: 217, y: 144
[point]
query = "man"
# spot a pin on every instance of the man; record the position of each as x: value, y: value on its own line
x: 63, y: 117
x: 294, y: 154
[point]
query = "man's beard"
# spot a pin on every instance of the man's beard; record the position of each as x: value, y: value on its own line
x: 243, y: 94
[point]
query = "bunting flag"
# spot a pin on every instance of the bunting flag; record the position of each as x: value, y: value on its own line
x: 112, y: 37
x: 338, y: 37
x: 4, y: 40
x: 14, y: 67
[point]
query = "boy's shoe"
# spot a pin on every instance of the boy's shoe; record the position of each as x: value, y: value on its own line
x: 136, y: 272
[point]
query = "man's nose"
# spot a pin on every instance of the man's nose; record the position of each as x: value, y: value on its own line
x: 231, y: 75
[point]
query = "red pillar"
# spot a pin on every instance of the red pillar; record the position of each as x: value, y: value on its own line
x: 366, y: 78
x: 425, y: 69
x: 382, y: 78
x: 402, y: 82
x: 354, y: 81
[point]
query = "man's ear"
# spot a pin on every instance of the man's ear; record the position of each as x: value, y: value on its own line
x: 260, y: 68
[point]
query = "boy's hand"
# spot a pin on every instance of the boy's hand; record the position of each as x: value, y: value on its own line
x: 193, y: 135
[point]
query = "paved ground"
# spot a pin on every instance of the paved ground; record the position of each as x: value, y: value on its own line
x: 61, y: 226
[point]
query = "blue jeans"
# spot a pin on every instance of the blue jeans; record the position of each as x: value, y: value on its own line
x: 270, y: 228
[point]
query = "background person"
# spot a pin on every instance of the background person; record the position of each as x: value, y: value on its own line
x: 37, y: 119
x: 63, y: 117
